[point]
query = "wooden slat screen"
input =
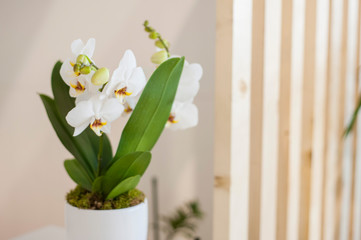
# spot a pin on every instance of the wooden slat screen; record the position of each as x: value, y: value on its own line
x: 287, y: 81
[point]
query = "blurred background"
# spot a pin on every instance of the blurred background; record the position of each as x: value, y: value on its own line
x: 34, y: 35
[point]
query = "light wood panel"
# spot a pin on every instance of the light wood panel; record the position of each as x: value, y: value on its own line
x: 257, y: 70
x: 284, y: 121
x: 282, y: 67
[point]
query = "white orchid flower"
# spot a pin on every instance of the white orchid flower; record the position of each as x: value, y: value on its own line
x: 127, y: 80
x: 183, y: 115
x: 97, y: 112
x: 79, y: 78
x: 189, y: 82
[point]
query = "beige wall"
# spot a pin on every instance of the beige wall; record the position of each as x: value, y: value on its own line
x: 34, y: 34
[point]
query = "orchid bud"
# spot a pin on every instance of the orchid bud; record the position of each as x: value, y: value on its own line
x: 159, y: 57
x: 82, y: 59
x: 76, y: 68
x: 153, y: 35
x: 160, y: 45
x: 149, y: 29
x: 100, y: 77
x: 85, y: 70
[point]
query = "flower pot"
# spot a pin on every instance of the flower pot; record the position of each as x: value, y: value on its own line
x: 127, y: 223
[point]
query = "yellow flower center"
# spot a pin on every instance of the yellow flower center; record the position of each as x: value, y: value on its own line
x: 79, y: 88
x: 171, y: 119
x: 97, y: 125
x: 121, y: 94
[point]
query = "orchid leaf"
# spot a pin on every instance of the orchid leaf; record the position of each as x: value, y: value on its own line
x: 124, y: 186
x: 97, y: 184
x: 64, y: 133
x: 133, y: 163
x: 152, y: 111
x: 78, y: 173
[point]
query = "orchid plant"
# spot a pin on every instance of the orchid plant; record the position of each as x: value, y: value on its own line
x: 87, y: 100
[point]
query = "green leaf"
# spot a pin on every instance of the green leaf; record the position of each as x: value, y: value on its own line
x: 64, y: 132
x: 152, y: 111
x: 133, y: 163
x: 139, y: 165
x: 124, y: 186
x: 78, y: 173
x: 97, y: 184
x: 62, y: 99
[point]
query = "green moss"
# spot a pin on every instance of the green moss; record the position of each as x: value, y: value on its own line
x: 82, y: 198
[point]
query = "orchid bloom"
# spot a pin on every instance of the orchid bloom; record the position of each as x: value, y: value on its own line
x: 97, y: 112
x: 77, y: 70
x: 128, y: 80
x: 183, y: 115
x: 189, y: 82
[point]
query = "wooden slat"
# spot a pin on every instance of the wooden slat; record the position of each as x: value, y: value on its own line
x: 232, y: 119
x: 272, y: 52
x: 320, y: 113
x: 334, y: 128
x: 341, y: 116
x: 241, y: 82
x: 298, y: 27
x: 307, y: 118
x: 222, y: 159
x: 354, y: 143
x: 284, y: 121
x: 257, y: 70
x: 326, y: 124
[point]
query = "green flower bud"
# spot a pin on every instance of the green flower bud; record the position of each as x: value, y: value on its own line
x: 85, y: 70
x: 160, y: 45
x: 145, y: 23
x: 76, y: 68
x: 159, y: 57
x: 100, y: 77
x: 153, y: 35
x: 149, y: 29
x: 82, y: 59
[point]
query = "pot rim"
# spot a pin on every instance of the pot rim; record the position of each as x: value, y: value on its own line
x: 133, y: 208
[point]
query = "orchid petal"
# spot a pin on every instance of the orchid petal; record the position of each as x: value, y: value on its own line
x: 81, y: 114
x: 106, y: 128
x: 77, y: 46
x: 186, y: 115
x: 192, y: 72
x: 80, y: 129
x: 187, y: 92
x: 137, y: 81
x: 128, y: 60
x: 67, y: 72
x: 111, y: 109
x: 89, y: 47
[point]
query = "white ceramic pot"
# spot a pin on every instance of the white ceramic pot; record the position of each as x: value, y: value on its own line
x: 118, y: 224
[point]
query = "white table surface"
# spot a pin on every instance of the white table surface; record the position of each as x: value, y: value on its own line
x: 50, y: 232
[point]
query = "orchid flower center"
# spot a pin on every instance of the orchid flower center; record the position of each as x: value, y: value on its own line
x: 128, y: 109
x: 171, y: 120
x: 97, y: 125
x: 79, y: 88
x: 121, y: 94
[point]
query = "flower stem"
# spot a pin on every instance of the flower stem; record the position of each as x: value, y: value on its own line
x: 164, y: 45
x: 100, y: 154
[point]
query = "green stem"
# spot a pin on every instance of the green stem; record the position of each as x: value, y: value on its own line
x: 164, y: 45
x: 100, y: 154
